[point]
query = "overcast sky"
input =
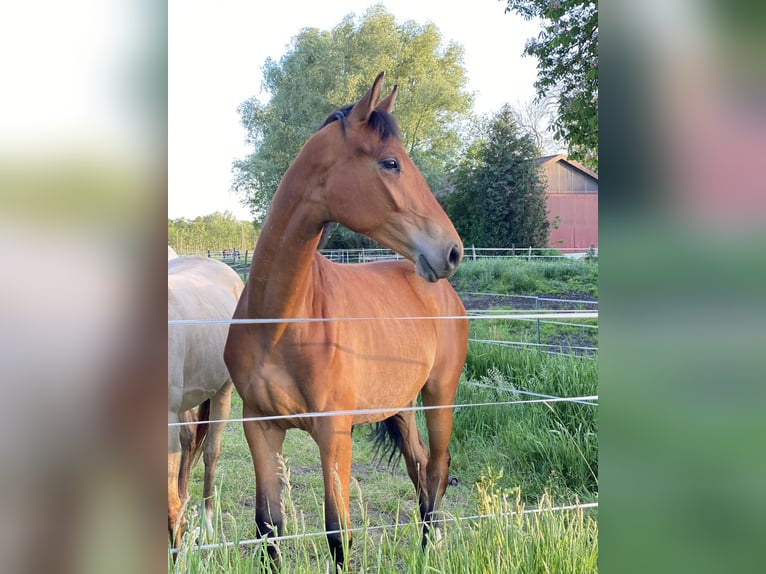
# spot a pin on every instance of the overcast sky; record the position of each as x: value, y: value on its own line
x: 216, y: 51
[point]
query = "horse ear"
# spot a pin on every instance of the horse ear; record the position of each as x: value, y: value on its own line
x: 364, y: 107
x: 387, y: 103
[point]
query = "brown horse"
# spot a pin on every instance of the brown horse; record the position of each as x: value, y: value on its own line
x: 198, y: 288
x: 353, y: 171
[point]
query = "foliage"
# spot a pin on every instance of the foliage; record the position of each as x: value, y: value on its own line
x: 567, y: 55
x: 326, y: 70
x: 339, y: 237
x: 216, y: 232
x: 499, y: 197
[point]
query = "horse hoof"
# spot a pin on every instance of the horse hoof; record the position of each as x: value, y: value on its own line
x: 453, y: 481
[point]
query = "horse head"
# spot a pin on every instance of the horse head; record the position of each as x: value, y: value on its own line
x: 372, y: 187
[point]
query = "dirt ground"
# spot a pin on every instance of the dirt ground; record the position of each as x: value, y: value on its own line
x: 477, y: 302
x: 565, y: 341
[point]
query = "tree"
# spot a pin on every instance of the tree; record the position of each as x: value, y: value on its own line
x: 326, y: 70
x: 216, y: 231
x: 499, y: 197
x: 567, y: 65
x: 536, y: 118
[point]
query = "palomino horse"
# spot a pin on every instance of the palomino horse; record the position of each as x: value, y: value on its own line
x: 354, y: 171
x: 198, y: 288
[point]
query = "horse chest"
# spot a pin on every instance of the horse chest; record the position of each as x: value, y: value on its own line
x: 272, y: 388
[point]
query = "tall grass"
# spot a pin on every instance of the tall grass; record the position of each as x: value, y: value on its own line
x: 501, y: 539
x: 549, y: 447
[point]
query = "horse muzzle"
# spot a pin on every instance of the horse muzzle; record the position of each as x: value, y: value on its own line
x: 440, y: 266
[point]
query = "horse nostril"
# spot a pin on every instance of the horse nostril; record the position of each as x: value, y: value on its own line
x: 454, y: 256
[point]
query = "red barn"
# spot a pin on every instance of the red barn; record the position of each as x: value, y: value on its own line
x: 572, y: 198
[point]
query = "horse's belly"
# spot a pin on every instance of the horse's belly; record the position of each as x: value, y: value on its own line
x: 390, y: 377
x: 386, y: 387
x: 366, y: 371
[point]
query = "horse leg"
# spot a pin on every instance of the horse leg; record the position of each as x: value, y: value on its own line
x: 186, y: 434
x: 220, y: 406
x: 333, y: 435
x: 439, y: 423
x: 175, y: 506
x: 415, y: 454
x: 265, y: 441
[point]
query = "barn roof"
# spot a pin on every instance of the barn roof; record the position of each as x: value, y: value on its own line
x: 562, y: 157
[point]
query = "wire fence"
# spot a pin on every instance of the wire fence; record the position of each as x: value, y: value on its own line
x: 508, y: 315
x: 367, y: 255
x: 471, y: 253
x: 384, y: 411
x: 541, y: 399
x: 540, y: 316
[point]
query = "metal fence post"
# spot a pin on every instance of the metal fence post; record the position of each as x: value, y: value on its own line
x: 537, y: 309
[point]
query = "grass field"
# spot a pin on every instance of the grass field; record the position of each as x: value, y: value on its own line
x: 506, y: 457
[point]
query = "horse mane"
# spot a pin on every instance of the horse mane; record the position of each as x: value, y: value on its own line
x: 382, y: 122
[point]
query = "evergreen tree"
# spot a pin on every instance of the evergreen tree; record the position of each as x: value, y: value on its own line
x: 499, y: 197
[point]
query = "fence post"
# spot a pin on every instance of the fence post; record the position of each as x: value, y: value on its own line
x: 473, y: 250
x: 537, y: 310
x: 208, y: 253
x: 245, y: 256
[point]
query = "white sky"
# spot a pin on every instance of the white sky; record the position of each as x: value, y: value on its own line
x: 216, y: 51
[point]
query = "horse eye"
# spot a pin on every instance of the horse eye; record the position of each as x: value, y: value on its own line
x: 389, y: 164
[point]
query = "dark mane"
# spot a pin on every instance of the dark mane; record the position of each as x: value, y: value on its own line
x: 382, y: 122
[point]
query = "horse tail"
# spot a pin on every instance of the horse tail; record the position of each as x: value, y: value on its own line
x: 203, y: 416
x: 388, y: 439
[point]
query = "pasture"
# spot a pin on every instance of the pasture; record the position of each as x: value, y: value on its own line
x: 507, y: 458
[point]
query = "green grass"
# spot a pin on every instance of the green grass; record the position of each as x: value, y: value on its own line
x: 542, y: 447
x: 521, y: 277
x: 501, y: 539
x: 548, y: 278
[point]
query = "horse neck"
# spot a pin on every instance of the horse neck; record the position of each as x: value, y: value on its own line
x: 281, y: 267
